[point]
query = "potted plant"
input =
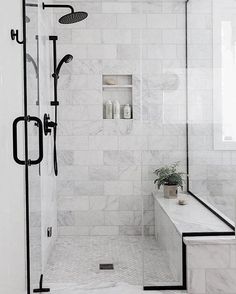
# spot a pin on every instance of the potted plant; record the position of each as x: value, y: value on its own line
x: 170, y: 178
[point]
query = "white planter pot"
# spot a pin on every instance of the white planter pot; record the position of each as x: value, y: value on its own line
x: 170, y: 191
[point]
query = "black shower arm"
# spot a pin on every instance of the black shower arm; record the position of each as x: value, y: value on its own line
x: 58, y: 6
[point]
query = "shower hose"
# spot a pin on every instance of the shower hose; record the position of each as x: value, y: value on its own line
x: 55, y: 150
x: 55, y: 165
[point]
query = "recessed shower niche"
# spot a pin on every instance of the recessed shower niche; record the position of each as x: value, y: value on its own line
x: 118, y: 89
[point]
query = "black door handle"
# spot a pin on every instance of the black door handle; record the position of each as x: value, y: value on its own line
x: 15, y: 148
x: 14, y: 126
x: 40, y: 126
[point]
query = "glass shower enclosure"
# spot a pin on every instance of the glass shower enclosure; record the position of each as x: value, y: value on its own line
x: 97, y: 222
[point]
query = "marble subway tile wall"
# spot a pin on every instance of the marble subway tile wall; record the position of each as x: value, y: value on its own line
x: 106, y: 166
x: 211, y: 275
x: 212, y: 169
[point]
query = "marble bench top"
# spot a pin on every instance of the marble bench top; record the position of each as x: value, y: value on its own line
x: 210, y: 240
x: 190, y: 218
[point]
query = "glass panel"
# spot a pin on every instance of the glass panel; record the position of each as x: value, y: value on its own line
x: 128, y: 57
x: 34, y: 171
x: 163, y: 128
x: 211, y: 103
x: 42, y: 180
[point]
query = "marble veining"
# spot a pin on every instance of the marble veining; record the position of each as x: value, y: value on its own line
x: 193, y: 217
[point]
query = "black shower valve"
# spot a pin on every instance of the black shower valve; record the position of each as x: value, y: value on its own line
x: 49, y: 232
x: 48, y: 125
x: 54, y: 75
x: 15, y: 36
x: 54, y: 103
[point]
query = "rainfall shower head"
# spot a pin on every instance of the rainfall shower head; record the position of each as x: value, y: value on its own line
x: 66, y: 59
x: 69, y: 18
x: 73, y: 17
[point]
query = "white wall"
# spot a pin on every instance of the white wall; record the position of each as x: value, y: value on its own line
x: 12, y: 237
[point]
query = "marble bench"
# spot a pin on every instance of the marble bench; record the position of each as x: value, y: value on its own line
x: 177, y: 226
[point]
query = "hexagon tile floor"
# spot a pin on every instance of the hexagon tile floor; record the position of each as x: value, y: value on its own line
x: 75, y: 262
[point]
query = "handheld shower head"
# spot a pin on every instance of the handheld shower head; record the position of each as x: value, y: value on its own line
x: 66, y: 59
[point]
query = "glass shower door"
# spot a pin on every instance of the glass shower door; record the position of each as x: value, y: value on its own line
x: 41, y: 176
x: 34, y: 172
x: 105, y: 208
x: 33, y: 147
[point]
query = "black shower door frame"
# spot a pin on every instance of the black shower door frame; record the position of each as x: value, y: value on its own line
x: 26, y: 150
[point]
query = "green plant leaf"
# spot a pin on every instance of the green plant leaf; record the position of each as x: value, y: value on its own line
x: 169, y: 175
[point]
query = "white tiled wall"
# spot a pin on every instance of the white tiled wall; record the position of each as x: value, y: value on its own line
x: 102, y: 162
x: 211, y: 268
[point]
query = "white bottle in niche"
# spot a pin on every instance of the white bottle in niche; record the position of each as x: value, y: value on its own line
x: 116, y: 110
x: 127, y: 111
x: 108, y: 109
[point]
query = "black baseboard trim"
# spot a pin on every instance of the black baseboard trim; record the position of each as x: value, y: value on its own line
x: 156, y: 288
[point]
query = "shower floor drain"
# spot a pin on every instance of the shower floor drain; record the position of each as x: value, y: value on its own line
x: 106, y: 266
